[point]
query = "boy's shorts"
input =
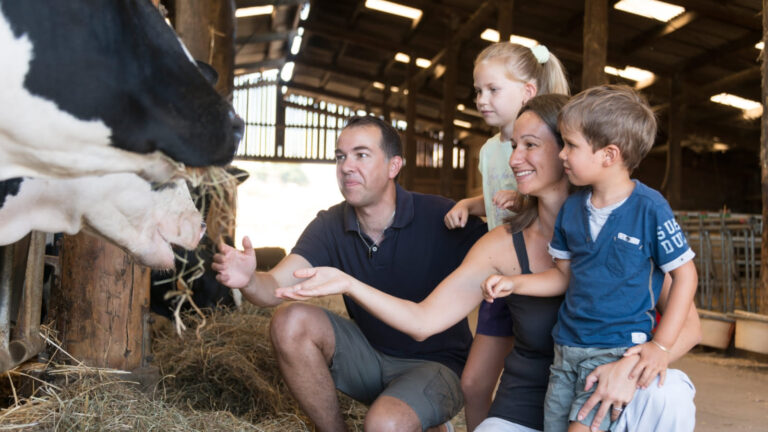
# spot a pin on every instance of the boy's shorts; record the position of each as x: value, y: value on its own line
x: 494, y: 319
x: 431, y: 389
x: 565, y: 392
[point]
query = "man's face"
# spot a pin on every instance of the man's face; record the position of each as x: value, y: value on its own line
x: 362, y: 168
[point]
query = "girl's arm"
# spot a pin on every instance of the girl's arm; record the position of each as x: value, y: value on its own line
x: 458, y: 215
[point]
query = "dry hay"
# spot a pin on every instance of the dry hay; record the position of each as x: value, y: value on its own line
x: 227, y: 380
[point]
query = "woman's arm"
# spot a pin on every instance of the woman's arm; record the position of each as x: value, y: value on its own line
x: 450, y: 302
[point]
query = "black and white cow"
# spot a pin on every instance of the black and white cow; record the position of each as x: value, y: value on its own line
x: 90, y: 87
x: 121, y: 207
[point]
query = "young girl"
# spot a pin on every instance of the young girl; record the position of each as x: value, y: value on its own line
x: 506, y: 76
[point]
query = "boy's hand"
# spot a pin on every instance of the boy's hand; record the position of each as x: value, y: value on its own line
x: 653, y: 361
x: 457, y: 216
x: 496, y: 286
x: 505, y: 199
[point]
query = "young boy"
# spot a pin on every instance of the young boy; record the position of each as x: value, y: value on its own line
x: 613, y: 242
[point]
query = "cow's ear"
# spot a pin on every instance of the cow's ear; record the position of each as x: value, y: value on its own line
x: 208, y: 72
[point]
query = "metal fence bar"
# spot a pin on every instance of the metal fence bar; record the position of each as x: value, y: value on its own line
x: 728, y: 258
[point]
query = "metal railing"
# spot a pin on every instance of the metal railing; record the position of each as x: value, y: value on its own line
x: 727, y: 250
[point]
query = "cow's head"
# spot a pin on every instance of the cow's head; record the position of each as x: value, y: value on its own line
x: 120, y: 71
x: 123, y: 208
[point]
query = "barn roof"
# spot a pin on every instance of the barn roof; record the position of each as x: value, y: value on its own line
x: 348, y: 50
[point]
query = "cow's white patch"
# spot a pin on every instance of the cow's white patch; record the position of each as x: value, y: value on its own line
x: 40, y: 140
x: 121, y: 207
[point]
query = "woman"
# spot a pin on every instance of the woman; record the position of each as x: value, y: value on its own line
x: 518, y: 246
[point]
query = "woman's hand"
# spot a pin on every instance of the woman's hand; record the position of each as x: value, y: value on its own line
x: 496, y: 286
x: 319, y: 282
x: 615, y: 389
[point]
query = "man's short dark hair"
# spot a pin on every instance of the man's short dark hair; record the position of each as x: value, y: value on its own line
x: 390, y: 138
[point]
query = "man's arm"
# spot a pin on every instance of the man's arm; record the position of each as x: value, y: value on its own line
x: 237, y: 270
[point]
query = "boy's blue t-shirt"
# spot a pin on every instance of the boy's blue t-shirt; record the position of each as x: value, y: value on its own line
x: 616, y: 279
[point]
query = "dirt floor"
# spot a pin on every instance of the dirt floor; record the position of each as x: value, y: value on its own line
x: 731, y: 392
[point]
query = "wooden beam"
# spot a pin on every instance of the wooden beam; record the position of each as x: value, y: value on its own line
x: 673, y: 176
x: 717, y: 11
x: 762, y: 294
x: 595, y: 43
x: 721, y: 52
x: 452, y: 50
x: 658, y: 32
x: 284, y: 35
x: 462, y: 33
x: 410, y: 128
x: 505, y: 18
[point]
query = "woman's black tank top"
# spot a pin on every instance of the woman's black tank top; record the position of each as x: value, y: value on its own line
x: 520, y: 396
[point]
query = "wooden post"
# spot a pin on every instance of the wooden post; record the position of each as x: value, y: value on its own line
x: 279, y: 121
x: 595, y: 43
x: 676, y: 116
x: 762, y: 295
x: 505, y: 19
x: 102, y: 305
x: 410, y: 128
x: 449, y: 110
x: 207, y: 28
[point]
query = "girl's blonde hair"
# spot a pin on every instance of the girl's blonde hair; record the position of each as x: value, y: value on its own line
x: 522, y: 65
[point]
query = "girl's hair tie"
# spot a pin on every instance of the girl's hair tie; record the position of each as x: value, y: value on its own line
x: 541, y: 53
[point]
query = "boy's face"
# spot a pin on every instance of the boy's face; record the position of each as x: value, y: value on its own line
x: 582, y: 165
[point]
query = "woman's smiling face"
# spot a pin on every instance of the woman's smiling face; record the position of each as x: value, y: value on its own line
x: 534, y: 159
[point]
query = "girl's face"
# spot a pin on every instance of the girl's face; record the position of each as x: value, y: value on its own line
x: 534, y: 159
x: 499, y: 96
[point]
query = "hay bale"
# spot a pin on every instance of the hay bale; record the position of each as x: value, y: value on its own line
x: 225, y: 380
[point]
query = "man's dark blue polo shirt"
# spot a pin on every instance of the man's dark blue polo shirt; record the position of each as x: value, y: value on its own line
x: 417, y: 252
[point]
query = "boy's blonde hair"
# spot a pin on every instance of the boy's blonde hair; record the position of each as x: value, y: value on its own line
x: 612, y: 114
x: 522, y: 65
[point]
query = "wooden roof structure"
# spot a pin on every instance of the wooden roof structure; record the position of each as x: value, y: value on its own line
x: 347, y: 49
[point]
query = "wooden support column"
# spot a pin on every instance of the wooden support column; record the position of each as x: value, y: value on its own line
x: 279, y: 122
x: 410, y: 128
x: 207, y: 28
x: 449, y: 111
x: 595, y: 43
x: 676, y: 115
x: 505, y: 19
x: 385, y: 111
x: 762, y: 295
x: 102, y: 305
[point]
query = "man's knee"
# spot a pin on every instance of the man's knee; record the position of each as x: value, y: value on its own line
x: 295, y: 323
x: 388, y: 414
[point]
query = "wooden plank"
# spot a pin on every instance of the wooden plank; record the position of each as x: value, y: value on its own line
x: 751, y: 332
x: 716, y: 329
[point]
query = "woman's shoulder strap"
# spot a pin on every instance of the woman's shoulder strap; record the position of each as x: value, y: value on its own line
x: 522, y: 253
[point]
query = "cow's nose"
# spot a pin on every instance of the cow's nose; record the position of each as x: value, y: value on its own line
x: 238, y: 126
